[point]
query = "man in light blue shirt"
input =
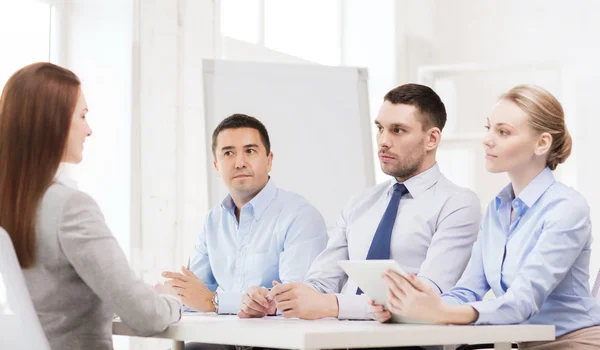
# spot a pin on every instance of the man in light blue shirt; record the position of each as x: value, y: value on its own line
x: 257, y: 235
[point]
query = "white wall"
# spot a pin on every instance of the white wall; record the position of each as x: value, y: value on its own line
x: 506, y: 32
x: 169, y: 185
x: 368, y: 40
x: 512, y: 30
x: 237, y: 50
x: 98, y: 50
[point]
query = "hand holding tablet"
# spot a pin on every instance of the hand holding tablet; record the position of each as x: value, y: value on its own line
x: 367, y: 275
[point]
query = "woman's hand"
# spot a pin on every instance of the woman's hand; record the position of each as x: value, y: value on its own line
x: 413, y: 298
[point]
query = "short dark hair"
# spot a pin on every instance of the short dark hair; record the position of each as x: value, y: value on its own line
x: 236, y: 121
x: 427, y: 102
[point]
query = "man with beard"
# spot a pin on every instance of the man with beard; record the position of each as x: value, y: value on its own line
x: 418, y: 218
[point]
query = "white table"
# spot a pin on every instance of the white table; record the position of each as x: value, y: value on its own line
x: 276, y: 332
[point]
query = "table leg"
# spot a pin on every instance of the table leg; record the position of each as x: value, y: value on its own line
x: 178, y: 345
x: 502, y: 346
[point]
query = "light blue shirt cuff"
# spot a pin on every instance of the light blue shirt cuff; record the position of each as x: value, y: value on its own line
x: 188, y: 309
x: 229, y: 302
x: 486, y: 310
x: 450, y: 300
x: 353, y: 307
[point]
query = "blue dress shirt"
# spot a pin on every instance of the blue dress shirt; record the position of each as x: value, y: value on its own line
x: 278, y: 236
x: 537, y: 265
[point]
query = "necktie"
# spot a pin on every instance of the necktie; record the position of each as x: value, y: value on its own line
x: 380, y: 246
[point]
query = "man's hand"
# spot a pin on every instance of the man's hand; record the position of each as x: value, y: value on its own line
x: 302, y: 301
x: 379, y: 313
x: 191, y: 289
x: 255, y: 303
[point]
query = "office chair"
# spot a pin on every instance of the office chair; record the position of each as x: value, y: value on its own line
x: 20, y: 327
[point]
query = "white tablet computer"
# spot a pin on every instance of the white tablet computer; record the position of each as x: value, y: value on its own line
x: 367, y: 275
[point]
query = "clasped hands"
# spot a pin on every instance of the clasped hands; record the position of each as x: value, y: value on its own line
x: 291, y: 299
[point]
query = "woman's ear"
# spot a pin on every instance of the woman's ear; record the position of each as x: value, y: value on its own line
x: 544, y: 144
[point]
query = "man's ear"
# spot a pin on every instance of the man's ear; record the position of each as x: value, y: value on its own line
x: 269, y: 161
x: 434, y: 137
x: 216, y: 165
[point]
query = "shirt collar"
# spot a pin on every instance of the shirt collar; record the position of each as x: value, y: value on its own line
x: 259, y: 203
x: 532, y: 192
x: 506, y: 195
x: 420, y: 183
x: 62, y: 176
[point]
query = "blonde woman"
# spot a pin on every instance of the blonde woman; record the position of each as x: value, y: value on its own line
x: 76, y: 273
x: 533, y: 249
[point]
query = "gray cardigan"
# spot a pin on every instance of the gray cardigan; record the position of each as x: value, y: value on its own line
x: 81, y: 277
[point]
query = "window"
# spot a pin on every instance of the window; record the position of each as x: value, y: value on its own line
x: 240, y: 19
x: 358, y: 33
x: 309, y: 29
x: 25, y: 33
